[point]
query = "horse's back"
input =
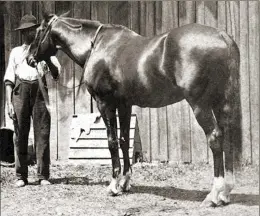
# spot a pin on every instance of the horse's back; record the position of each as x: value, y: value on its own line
x: 181, y: 64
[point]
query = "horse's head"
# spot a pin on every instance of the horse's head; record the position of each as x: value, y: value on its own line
x: 44, y: 44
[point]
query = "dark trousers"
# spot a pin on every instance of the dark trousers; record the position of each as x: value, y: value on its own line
x: 28, y: 102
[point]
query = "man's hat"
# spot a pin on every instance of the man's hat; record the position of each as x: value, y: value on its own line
x: 26, y: 22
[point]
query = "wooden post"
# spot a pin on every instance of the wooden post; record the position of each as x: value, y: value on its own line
x: 254, y: 77
x: 186, y: 16
x: 65, y: 91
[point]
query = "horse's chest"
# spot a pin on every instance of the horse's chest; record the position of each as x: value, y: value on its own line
x: 99, y: 80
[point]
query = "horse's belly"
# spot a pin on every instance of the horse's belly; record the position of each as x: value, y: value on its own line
x: 155, y: 96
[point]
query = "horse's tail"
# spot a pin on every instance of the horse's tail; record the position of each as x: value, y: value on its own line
x: 232, y: 104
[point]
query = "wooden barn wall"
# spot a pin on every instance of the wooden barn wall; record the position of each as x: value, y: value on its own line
x: 170, y: 133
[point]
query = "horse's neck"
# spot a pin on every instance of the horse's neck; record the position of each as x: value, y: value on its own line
x: 75, y: 43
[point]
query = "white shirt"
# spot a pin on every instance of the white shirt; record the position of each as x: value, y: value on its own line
x: 17, y: 65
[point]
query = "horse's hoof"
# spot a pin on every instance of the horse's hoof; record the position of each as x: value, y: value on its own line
x: 224, y: 199
x: 124, y: 185
x: 222, y: 203
x: 208, y: 203
x: 113, y: 192
x: 113, y: 189
x: 213, y: 205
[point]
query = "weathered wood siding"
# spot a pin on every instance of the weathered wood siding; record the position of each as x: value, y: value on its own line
x: 170, y: 133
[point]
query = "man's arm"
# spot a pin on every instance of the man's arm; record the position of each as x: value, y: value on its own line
x: 9, y: 80
x: 10, y: 108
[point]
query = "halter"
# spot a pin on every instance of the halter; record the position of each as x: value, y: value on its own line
x: 95, y: 36
x: 46, y: 33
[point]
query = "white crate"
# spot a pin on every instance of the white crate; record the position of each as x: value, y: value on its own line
x: 88, y: 143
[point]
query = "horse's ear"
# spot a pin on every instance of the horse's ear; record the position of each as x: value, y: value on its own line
x: 67, y: 14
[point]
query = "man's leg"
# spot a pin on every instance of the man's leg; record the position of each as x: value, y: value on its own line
x: 41, y: 124
x: 21, y: 105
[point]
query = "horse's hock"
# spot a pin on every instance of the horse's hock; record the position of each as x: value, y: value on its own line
x: 88, y: 143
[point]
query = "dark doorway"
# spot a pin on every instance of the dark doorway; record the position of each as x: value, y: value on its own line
x: 6, y: 136
x: 2, y: 62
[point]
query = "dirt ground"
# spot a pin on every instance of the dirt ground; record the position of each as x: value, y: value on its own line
x: 162, y: 189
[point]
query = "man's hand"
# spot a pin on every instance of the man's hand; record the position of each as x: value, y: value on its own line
x: 31, y: 61
x: 11, y: 113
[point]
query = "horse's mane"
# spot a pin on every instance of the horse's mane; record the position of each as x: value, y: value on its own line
x: 78, y: 23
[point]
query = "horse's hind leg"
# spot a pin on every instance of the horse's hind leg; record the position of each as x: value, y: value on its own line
x: 222, y: 112
x: 124, y: 112
x: 108, y: 113
x: 206, y: 119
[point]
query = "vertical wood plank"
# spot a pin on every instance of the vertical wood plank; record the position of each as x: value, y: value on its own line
x: 170, y: 20
x: 245, y: 81
x: 198, y: 138
x: 135, y: 16
x: 200, y: 12
x: 169, y: 15
x: 15, y: 14
x: 232, y: 9
x: 222, y: 18
x: 150, y: 29
x: 65, y: 92
x: 162, y: 112
x: 99, y: 11
x: 81, y: 10
x: 2, y: 63
x: 234, y: 17
x: 211, y: 13
x: 119, y: 13
x: 7, y: 32
x: 27, y: 8
x: 254, y: 77
x: 186, y: 16
x: 144, y: 122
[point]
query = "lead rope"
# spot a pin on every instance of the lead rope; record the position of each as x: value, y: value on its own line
x: 41, y: 85
x: 43, y: 90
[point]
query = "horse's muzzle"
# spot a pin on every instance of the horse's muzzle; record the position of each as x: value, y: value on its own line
x: 31, y: 61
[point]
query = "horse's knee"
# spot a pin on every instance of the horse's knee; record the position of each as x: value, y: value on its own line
x: 204, y: 118
x: 112, y: 145
x: 124, y: 144
x: 215, y: 141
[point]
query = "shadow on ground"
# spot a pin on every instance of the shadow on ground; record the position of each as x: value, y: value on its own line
x: 167, y: 192
x: 78, y: 181
x: 193, y: 195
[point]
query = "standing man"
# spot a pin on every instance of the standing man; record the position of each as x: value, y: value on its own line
x: 25, y: 100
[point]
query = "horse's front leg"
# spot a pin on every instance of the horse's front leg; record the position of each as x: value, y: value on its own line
x: 124, y: 112
x: 108, y: 113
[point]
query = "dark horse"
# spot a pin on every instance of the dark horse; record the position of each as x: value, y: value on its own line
x: 121, y: 68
